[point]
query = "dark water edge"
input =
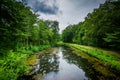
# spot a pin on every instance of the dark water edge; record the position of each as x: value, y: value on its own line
x: 64, y: 64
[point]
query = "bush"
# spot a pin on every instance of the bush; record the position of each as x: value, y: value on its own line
x: 12, y: 66
x: 35, y: 48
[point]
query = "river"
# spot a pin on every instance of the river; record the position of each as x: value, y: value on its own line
x: 64, y: 64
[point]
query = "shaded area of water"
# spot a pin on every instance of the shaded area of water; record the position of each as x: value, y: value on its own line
x: 63, y: 64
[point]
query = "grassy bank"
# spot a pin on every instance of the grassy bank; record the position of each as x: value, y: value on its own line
x: 108, y: 57
x: 14, y: 64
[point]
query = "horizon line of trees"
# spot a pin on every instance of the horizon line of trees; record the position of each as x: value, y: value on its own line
x: 101, y: 28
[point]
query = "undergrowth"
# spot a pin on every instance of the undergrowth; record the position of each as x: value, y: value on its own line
x: 14, y: 64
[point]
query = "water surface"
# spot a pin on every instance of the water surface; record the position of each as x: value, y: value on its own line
x: 64, y: 64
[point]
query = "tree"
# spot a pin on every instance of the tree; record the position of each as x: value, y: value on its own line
x: 101, y: 27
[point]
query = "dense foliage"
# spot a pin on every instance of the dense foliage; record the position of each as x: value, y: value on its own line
x: 22, y: 34
x: 101, y: 28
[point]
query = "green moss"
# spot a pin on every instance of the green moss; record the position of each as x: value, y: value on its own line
x: 31, y: 60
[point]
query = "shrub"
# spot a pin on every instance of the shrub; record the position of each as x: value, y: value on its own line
x: 12, y: 66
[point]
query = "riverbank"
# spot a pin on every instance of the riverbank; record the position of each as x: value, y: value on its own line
x: 14, y: 65
x: 62, y: 61
x: 109, y: 58
x: 33, y: 62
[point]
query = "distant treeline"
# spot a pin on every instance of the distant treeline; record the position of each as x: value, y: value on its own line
x: 101, y: 28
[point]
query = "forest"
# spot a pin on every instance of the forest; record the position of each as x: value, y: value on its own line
x: 23, y: 34
x: 101, y: 28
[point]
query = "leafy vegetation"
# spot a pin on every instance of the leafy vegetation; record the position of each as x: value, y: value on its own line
x: 14, y: 64
x: 22, y: 34
x: 101, y: 28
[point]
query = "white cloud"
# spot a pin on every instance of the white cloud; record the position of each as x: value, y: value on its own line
x: 72, y: 11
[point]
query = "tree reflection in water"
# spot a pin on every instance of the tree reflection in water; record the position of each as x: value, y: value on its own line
x: 66, y: 65
x: 48, y: 63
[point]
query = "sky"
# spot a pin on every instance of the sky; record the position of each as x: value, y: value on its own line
x: 66, y: 12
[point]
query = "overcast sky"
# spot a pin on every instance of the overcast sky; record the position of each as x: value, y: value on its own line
x: 66, y: 12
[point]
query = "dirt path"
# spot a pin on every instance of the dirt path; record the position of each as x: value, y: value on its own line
x: 110, y: 52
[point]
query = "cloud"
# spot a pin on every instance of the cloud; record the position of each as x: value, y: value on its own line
x: 44, y: 6
x: 65, y: 11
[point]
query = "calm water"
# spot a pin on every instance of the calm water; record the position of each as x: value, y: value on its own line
x: 64, y: 64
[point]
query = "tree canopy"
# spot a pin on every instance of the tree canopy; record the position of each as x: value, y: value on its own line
x: 101, y: 28
x: 21, y: 27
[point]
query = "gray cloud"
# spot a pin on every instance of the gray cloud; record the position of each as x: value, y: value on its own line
x: 44, y: 6
x: 87, y: 4
x: 65, y: 11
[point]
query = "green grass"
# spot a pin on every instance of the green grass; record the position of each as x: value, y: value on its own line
x: 14, y: 64
x: 106, y: 57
